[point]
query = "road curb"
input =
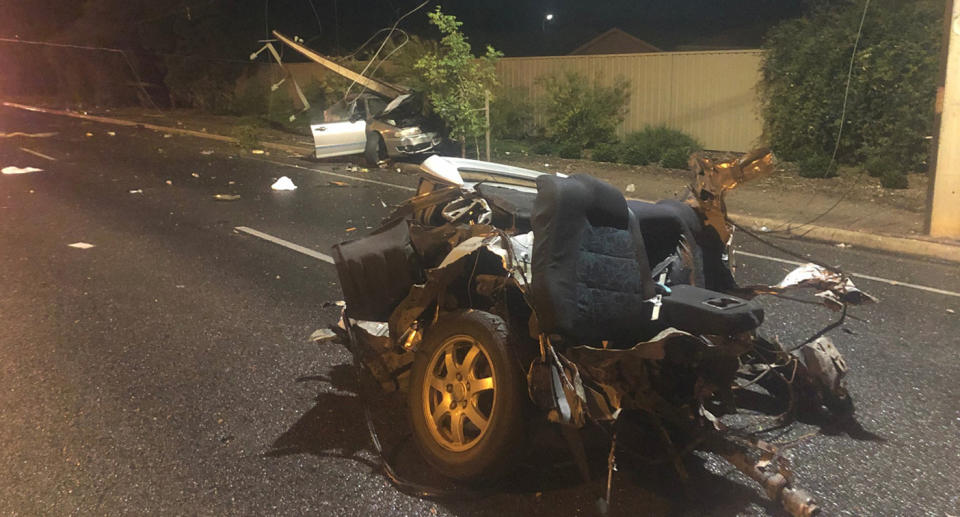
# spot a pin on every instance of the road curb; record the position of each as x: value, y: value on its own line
x: 908, y: 246
x: 296, y: 149
x: 889, y: 243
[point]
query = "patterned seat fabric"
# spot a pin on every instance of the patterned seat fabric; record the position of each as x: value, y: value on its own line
x: 590, y: 270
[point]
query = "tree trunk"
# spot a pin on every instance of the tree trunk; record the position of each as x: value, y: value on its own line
x: 463, y: 147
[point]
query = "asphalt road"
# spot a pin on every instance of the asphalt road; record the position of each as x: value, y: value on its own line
x: 168, y: 370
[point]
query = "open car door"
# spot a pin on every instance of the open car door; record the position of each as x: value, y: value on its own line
x: 339, y: 138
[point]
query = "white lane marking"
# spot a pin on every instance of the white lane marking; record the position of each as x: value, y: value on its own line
x: 35, y: 153
x: 334, y: 174
x: 857, y: 275
x: 286, y: 244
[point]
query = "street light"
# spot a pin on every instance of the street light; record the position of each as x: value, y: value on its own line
x: 543, y: 24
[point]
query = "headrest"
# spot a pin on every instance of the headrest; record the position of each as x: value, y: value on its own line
x: 600, y: 202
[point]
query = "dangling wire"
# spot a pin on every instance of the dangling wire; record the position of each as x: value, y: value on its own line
x: 377, y: 53
x: 843, y: 118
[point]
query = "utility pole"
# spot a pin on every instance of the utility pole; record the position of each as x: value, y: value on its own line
x: 944, y: 218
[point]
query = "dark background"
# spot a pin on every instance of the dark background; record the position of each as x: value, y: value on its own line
x: 339, y: 26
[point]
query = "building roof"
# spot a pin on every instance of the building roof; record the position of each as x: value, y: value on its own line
x: 615, y: 41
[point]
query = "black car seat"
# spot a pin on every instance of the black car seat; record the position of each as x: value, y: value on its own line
x: 664, y: 223
x: 591, y: 274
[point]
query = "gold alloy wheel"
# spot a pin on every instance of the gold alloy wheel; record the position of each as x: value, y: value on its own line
x: 459, y: 393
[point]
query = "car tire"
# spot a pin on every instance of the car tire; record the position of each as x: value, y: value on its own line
x: 375, y: 150
x: 469, y: 432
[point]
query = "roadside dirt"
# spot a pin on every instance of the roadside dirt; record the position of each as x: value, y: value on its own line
x: 852, y: 201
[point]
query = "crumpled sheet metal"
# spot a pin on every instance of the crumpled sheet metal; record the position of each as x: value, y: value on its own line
x: 606, y: 366
x: 834, y: 288
x: 713, y: 180
x: 516, y: 258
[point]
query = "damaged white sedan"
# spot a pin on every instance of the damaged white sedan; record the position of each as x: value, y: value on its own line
x: 367, y: 124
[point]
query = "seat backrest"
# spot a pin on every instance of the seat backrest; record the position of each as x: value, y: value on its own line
x: 590, y: 270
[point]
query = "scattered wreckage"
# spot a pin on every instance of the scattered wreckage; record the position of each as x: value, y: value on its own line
x: 498, y: 294
x: 383, y: 121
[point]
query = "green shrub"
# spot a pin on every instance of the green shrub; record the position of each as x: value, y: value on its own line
x: 247, y: 134
x: 511, y: 115
x: 544, y: 147
x: 675, y: 158
x: 570, y: 150
x: 510, y: 148
x: 583, y: 113
x: 607, y: 152
x: 879, y: 165
x: 637, y: 149
x: 662, y: 145
x: 817, y: 166
x: 894, y: 179
x: 891, y: 98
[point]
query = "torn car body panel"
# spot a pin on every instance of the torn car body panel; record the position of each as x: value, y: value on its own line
x: 339, y: 138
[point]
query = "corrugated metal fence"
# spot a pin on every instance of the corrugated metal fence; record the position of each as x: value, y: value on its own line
x: 710, y: 95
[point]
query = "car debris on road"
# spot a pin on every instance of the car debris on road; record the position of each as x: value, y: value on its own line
x: 12, y: 170
x: 284, y: 183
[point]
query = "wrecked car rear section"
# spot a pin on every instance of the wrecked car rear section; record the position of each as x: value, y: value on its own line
x: 466, y: 242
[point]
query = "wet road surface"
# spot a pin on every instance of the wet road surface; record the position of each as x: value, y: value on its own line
x: 167, y: 370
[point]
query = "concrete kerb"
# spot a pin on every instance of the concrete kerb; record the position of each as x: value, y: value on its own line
x: 909, y: 246
x: 889, y: 243
x: 129, y: 123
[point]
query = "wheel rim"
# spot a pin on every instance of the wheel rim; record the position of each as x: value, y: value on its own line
x: 459, y: 393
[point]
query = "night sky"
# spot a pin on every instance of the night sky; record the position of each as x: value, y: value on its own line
x: 515, y: 27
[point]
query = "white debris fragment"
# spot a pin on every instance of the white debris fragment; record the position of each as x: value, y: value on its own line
x: 137, y: 191
x: 112, y: 133
x: 81, y: 245
x: 951, y: 311
x: 284, y: 183
x: 194, y: 174
x: 764, y: 229
x: 631, y: 188
x: 323, y: 335
x: 17, y: 170
x: 206, y: 152
x: 226, y: 197
x: 168, y: 135
x: 257, y: 151
x: 843, y: 245
x: 89, y: 134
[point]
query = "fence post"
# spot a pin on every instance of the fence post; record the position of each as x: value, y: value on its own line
x: 486, y: 109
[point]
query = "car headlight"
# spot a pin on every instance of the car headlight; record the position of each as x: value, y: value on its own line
x: 410, y: 131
